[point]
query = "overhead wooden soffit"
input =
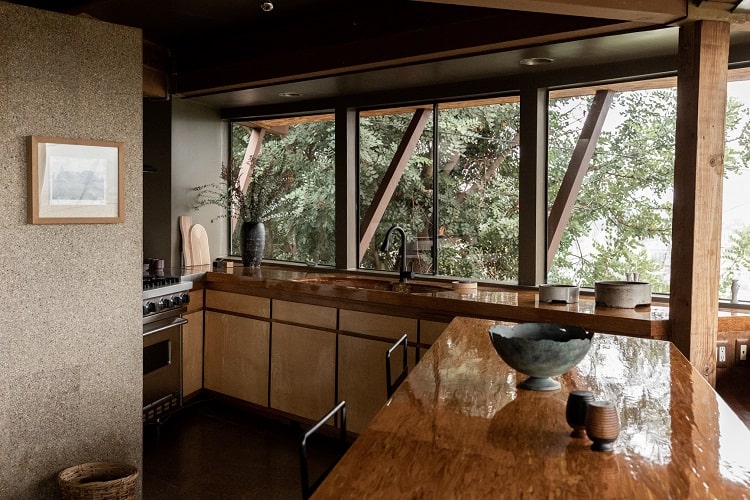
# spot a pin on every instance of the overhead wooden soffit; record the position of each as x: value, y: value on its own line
x: 474, y: 36
x: 155, y: 71
x: 642, y: 11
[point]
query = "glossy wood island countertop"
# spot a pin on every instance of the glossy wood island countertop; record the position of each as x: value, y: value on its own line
x: 458, y: 427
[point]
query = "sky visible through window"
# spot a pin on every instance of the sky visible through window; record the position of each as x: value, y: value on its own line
x: 736, y: 203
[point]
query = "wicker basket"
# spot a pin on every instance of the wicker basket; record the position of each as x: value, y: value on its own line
x: 98, y: 481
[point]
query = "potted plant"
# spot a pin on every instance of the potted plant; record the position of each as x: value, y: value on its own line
x: 267, y: 188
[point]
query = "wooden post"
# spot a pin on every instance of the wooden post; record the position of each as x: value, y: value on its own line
x: 699, y: 168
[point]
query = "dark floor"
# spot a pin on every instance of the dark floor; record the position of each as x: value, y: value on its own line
x: 212, y: 451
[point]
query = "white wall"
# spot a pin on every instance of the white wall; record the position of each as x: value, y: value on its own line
x: 71, y: 328
x: 199, y: 148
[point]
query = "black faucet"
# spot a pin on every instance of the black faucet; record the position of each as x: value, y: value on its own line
x: 403, y: 274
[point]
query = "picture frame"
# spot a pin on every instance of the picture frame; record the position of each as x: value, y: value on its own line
x: 75, y: 181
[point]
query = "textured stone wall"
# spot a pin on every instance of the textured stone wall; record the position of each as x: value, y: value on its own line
x: 70, y: 323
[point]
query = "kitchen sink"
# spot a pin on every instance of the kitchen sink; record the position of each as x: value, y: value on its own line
x: 373, y: 284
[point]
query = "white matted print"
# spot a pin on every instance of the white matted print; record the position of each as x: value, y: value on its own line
x: 75, y: 181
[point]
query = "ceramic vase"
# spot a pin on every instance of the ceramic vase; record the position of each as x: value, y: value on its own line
x: 252, y: 243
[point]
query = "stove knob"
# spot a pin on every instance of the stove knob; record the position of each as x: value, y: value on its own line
x: 145, y: 309
x: 150, y: 307
x: 185, y: 298
x: 176, y: 300
x: 165, y: 303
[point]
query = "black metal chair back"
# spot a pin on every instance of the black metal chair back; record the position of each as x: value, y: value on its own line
x: 309, y: 488
x: 392, y: 385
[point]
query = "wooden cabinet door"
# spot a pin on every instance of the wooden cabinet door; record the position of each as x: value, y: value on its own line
x: 236, y: 356
x: 361, y: 372
x: 192, y: 353
x: 361, y: 379
x: 303, y: 370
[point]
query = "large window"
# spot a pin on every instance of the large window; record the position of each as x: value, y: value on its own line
x: 735, y: 236
x: 622, y: 215
x: 395, y: 186
x: 476, y: 225
x: 478, y: 189
x: 448, y: 174
x: 300, y: 224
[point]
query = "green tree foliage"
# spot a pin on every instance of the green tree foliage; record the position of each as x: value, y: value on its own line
x: 411, y: 204
x: 735, y: 257
x: 303, y: 228
x: 478, y: 191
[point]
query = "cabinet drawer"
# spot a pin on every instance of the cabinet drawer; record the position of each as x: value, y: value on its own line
x: 306, y: 314
x: 378, y: 325
x: 238, y: 303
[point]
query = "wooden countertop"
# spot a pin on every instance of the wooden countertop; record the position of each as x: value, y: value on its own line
x: 502, y: 303
x: 459, y: 428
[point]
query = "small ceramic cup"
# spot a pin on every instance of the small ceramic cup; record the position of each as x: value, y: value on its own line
x: 602, y: 425
x: 575, y: 412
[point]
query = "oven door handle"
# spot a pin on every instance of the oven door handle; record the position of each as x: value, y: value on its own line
x: 158, y: 326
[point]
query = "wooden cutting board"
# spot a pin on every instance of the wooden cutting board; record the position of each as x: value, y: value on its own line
x: 199, y: 245
x: 185, y: 221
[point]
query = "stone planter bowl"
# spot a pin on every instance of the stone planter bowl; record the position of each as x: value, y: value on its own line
x: 550, y: 293
x: 622, y: 294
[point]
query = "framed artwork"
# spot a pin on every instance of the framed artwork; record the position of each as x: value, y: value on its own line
x: 74, y: 181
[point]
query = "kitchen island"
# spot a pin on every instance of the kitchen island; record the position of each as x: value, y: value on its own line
x: 459, y: 428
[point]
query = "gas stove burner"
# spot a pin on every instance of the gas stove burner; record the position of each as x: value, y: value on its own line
x: 164, y: 294
x: 151, y: 282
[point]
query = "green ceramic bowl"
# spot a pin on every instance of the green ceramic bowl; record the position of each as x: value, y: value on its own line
x: 541, y: 351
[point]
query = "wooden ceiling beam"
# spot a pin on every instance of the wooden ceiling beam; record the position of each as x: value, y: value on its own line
x: 717, y: 10
x: 642, y: 11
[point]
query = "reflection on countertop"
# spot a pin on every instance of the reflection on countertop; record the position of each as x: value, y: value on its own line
x: 459, y: 427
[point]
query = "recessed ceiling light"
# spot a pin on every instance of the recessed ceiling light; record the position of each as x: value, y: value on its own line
x: 290, y: 94
x: 537, y: 61
x: 266, y: 6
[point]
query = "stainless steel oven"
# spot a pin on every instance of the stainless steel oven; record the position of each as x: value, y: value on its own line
x: 164, y: 302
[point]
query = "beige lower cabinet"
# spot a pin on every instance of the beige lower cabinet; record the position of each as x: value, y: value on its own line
x: 361, y: 372
x: 303, y: 370
x: 361, y: 379
x: 236, y: 356
x: 192, y: 353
